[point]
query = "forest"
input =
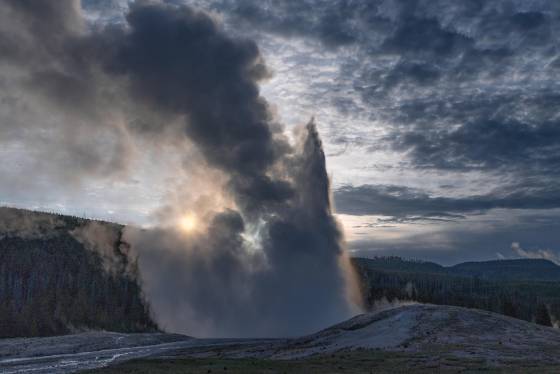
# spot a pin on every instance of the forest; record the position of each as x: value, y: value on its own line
x: 51, y: 284
x: 493, y: 286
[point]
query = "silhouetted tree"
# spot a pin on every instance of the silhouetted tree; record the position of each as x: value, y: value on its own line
x: 542, y: 316
x: 509, y: 309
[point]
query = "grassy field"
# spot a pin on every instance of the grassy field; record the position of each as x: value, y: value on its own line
x: 355, y: 362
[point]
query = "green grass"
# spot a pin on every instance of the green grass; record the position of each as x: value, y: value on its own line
x: 363, y: 362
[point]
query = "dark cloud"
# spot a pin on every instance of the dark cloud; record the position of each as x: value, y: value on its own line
x: 459, y: 85
x: 425, y: 39
x: 403, y: 202
x: 506, y: 132
x: 330, y: 22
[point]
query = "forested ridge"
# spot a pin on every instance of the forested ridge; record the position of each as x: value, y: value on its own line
x: 525, y: 289
x: 55, y: 278
x: 60, y: 274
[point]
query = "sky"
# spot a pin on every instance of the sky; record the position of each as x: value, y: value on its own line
x: 439, y: 118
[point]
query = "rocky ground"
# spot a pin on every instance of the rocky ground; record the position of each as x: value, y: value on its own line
x: 419, y: 338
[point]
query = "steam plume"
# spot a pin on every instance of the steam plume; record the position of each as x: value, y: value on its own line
x: 268, y: 260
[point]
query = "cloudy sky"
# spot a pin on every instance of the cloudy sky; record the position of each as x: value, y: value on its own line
x: 440, y: 120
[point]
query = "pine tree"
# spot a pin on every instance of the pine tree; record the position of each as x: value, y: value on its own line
x: 542, y: 317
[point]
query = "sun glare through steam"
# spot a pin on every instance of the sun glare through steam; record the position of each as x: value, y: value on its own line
x: 188, y: 223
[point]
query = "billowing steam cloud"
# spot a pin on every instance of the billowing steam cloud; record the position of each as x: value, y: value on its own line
x: 262, y: 253
x: 288, y: 278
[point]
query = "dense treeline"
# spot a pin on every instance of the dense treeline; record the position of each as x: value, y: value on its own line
x: 537, y: 301
x: 53, y: 285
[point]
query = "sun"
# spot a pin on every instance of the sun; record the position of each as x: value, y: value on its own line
x: 188, y: 223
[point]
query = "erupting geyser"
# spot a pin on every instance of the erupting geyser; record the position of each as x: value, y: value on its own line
x: 277, y: 272
x: 268, y: 259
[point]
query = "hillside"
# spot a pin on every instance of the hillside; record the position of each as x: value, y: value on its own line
x: 527, y: 289
x: 509, y: 270
x: 499, y: 270
x: 393, y: 263
x: 60, y: 274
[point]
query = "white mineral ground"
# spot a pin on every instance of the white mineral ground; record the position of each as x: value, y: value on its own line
x: 441, y: 331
